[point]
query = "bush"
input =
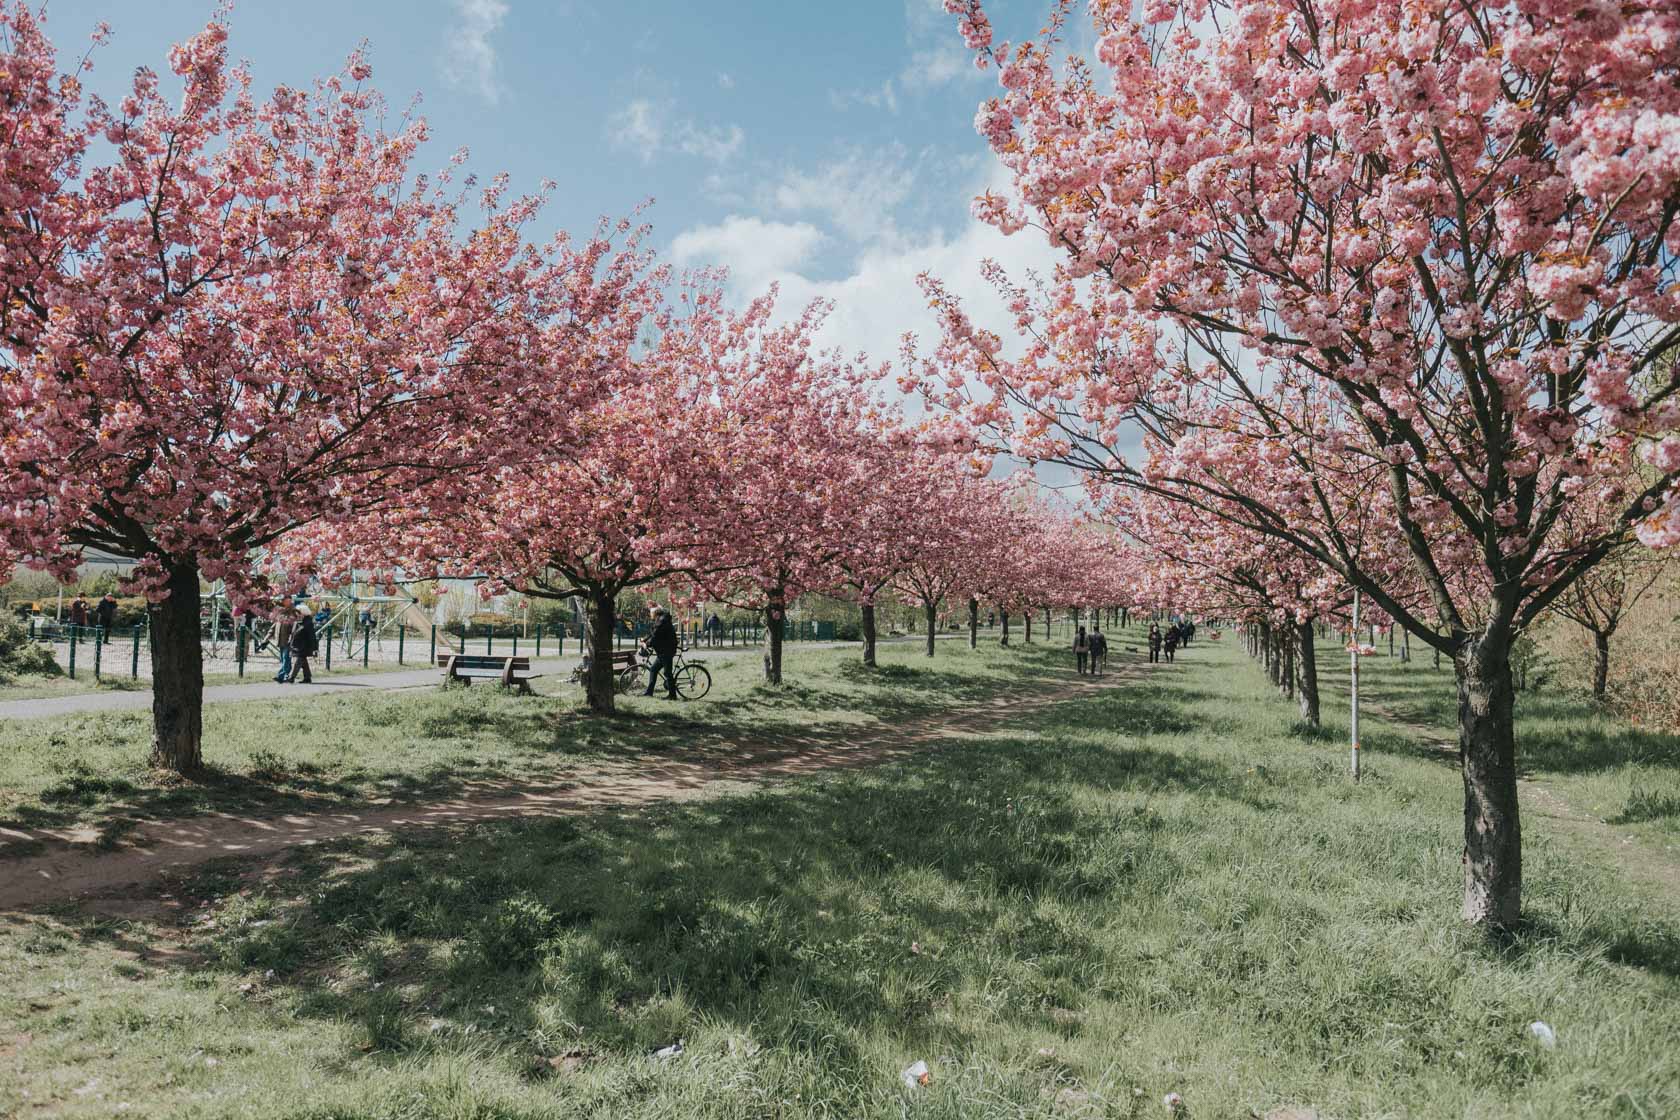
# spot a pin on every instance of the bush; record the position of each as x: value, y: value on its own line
x: 21, y: 657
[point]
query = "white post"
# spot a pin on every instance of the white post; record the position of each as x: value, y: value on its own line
x: 1354, y: 723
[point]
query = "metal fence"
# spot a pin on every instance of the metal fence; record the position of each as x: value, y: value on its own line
x: 233, y: 649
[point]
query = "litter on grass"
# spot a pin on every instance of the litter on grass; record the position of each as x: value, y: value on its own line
x: 916, y: 1075
x: 1543, y: 1034
x: 670, y: 1051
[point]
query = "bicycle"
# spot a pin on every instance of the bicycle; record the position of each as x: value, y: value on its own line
x: 631, y: 667
x: 691, y: 678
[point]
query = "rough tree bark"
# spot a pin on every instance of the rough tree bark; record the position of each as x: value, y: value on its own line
x: 600, y: 684
x: 931, y: 610
x: 1286, y: 664
x: 1307, y: 666
x: 1601, y: 663
x: 869, y: 634
x: 1487, y: 752
x: 178, y: 673
x: 1028, y: 617
x: 775, y: 612
x: 973, y: 623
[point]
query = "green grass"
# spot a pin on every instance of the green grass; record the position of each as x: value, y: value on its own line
x: 1162, y: 888
x: 1605, y: 768
x: 316, y: 752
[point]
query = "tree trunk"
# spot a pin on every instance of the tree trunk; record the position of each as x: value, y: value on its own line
x: 1004, y: 640
x: 600, y: 686
x: 1601, y: 664
x: 1487, y: 751
x: 1306, y: 663
x: 178, y: 674
x: 869, y: 634
x: 775, y: 614
x: 973, y: 623
x: 1029, y: 628
x: 932, y: 612
x: 1286, y: 672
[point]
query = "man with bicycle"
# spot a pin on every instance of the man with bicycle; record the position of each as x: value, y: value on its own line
x: 663, y: 643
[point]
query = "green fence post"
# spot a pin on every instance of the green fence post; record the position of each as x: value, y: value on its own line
x: 516, y: 643
x: 433, y: 659
x: 239, y: 648
x: 72, y: 653
x: 32, y: 628
x: 134, y: 665
x: 401, y: 630
x: 489, y: 637
x: 329, y: 646
x: 539, y: 640
x: 367, y: 640
x: 98, y: 652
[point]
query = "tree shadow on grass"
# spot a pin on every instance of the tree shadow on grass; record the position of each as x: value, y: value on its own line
x: 805, y: 918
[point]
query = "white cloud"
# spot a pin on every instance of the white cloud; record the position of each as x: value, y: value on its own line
x: 858, y: 194
x: 716, y: 144
x: 645, y: 127
x: 755, y: 251
x: 469, y: 56
x: 936, y: 65
x: 876, y: 299
x: 884, y: 96
x: 640, y: 127
x: 726, y: 80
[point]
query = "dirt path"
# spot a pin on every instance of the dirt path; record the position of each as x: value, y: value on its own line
x: 1541, y: 802
x: 74, y: 868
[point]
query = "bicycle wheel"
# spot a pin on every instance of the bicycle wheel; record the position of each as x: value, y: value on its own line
x: 693, y: 681
x: 629, y: 678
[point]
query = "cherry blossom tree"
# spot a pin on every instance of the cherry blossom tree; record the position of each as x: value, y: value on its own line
x: 222, y: 319
x: 1453, y: 224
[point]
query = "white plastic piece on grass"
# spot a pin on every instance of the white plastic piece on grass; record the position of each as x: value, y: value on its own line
x: 917, y: 1075
x: 670, y: 1051
x: 1174, y: 1103
x: 1543, y: 1034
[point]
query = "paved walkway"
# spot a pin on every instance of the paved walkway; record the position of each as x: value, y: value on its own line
x: 349, y: 684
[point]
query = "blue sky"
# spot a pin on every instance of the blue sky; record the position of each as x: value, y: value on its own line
x: 827, y: 147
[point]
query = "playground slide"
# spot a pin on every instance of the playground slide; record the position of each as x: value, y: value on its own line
x: 417, y: 621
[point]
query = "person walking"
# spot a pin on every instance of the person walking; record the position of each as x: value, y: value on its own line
x: 283, y: 627
x: 305, y: 641
x: 663, y: 643
x: 1081, y: 649
x: 105, y: 614
x: 1171, y: 641
x: 1099, y: 652
x: 1154, y: 642
x: 79, y: 612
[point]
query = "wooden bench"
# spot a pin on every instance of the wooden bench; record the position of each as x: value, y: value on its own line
x: 510, y: 671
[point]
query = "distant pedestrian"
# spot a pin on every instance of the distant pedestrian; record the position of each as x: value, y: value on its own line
x: 283, y: 627
x: 79, y: 612
x: 1170, y: 643
x: 106, y: 613
x: 1099, y: 652
x: 1081, y: 649
x: 1154, y: 642
x: 305, y: 642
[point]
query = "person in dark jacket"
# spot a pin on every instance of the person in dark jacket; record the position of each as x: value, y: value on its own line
x: 1081, y: 649
x: 663, y: 643
x: 1154, y: 642
x: 79, y: 612
x: 1171, y: 643
x: 304, y: 645
x: 1099, y: 652
x: 106, y: 613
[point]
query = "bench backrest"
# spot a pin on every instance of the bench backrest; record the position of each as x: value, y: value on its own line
x: 480, y: 661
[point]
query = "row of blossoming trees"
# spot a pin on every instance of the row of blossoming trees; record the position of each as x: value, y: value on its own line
x: 241, y: 340
x: 1387, y: 291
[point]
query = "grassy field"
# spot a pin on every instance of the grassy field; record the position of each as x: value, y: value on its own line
x: 315, y: 752
x: 1164, y: 887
